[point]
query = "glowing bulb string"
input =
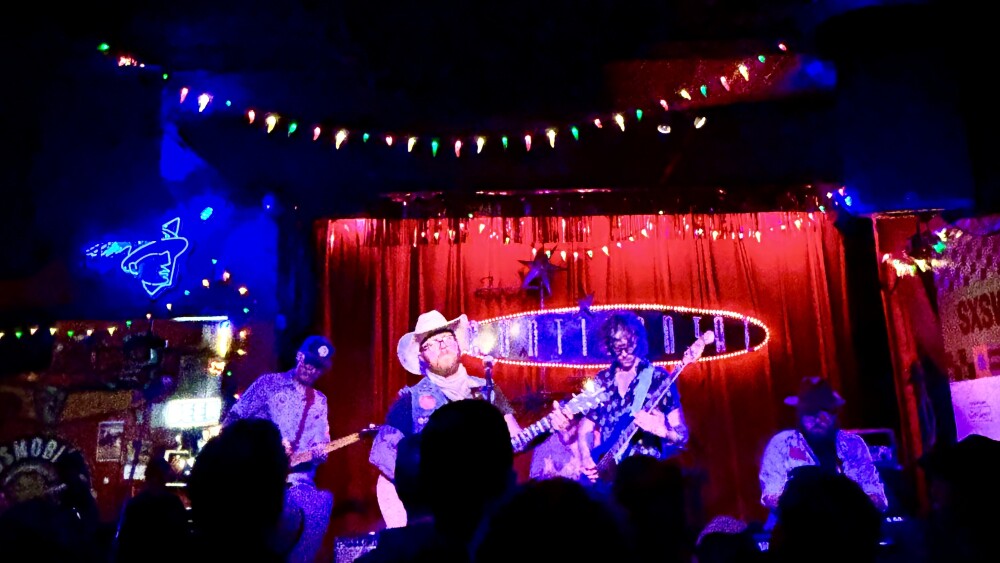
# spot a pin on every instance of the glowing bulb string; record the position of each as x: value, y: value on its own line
x: 272, y: 122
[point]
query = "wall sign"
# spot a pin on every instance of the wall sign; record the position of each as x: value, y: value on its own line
x: 187, y: 413
x: 28, y: 467
x: 968, y: 287
x: 570, y: 337
x: 153, y: 263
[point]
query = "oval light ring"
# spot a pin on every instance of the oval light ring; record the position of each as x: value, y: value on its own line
x: 569, y: 337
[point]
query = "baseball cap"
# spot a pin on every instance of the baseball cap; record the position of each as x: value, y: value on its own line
x: 318, y: 352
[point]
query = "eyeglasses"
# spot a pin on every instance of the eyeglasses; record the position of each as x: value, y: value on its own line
x: 442, y: 343
x: 619, y: 346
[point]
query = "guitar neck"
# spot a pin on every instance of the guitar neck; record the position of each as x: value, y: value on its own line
x: 341, y: 442
x: 521, y: 440
x: 303, y: 457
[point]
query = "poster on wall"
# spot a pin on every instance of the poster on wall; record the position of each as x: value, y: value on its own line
x: 109, y: 440
x: 968, y: 286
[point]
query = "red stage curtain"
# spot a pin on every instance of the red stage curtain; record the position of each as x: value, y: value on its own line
x: 916, y: 344
x: 786, y: 269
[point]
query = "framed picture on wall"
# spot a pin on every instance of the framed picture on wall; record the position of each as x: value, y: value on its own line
x: 109, y: 440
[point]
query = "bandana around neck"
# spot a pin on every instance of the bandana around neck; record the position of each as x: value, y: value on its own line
x: 456, y: 387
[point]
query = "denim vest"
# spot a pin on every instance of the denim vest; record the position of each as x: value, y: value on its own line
x: 426, y: 398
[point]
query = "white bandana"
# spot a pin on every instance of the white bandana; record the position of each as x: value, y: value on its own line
x: 457, y: 386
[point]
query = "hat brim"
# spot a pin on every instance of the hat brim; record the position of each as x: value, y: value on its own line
x: 408, y: 348
x: 793, y: 401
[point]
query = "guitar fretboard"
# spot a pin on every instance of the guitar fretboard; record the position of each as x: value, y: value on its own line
x: 526, y: 435
x: 341, y: 442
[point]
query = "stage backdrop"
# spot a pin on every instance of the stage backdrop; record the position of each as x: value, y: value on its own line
x: 787, y: 270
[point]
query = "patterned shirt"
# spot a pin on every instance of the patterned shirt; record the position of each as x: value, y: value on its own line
x: 606, y: 416
x: 552, y: 458
x: 279, y: 398
x: 789, y: 449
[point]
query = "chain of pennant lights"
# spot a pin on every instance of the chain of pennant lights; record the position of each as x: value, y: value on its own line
x: 273, y: 121
x: 205, y: 284
x: 437, y: 231
x: 906, y: 265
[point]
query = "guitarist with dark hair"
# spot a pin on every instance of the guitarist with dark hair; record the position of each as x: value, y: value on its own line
x: 642, y: 414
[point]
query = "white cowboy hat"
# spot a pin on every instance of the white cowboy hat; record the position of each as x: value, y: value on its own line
x: 408, y: 349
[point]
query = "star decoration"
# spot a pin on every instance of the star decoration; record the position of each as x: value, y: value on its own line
x: 585, y: 303
x: 539, y: 269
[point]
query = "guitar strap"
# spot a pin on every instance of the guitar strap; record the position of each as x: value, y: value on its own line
x: 310, y: 397
x: 642, y: 388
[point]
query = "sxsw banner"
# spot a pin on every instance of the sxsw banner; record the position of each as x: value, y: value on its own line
x: 968, y: 285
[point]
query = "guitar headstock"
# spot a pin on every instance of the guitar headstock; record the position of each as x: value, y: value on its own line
x: 590, y: 397
x: 369, y: 430
x: 698, y: 348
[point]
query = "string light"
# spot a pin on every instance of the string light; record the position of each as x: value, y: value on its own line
x: 272, y: 119
x: 203, y: 101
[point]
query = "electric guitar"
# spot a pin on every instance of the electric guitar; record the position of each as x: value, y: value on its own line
x: 610, y: 453
x: 392, y: 508
x: 307, y: 456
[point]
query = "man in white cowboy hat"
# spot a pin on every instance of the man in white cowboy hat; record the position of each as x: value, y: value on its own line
x: 434, y: 351
x: 818, y: 442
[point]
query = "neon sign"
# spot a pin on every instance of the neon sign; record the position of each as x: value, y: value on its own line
x: 155, y: 263
x: 570, y: 337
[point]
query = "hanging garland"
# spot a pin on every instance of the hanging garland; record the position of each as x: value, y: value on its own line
x: 521, y: 140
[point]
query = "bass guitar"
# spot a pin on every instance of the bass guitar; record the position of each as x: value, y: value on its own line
x: 610, y: 453
x: 392, y: 508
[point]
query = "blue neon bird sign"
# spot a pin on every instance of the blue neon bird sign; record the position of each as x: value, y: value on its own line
x: 154, y: 263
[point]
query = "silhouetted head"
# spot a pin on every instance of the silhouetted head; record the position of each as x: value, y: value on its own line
x: 825, y: 512
x: 542, y: 522
x: 466, y: 463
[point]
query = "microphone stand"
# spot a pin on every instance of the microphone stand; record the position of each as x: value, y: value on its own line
x: 488, y: 376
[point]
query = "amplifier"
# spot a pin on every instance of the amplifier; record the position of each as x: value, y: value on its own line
x: 348, y: 548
